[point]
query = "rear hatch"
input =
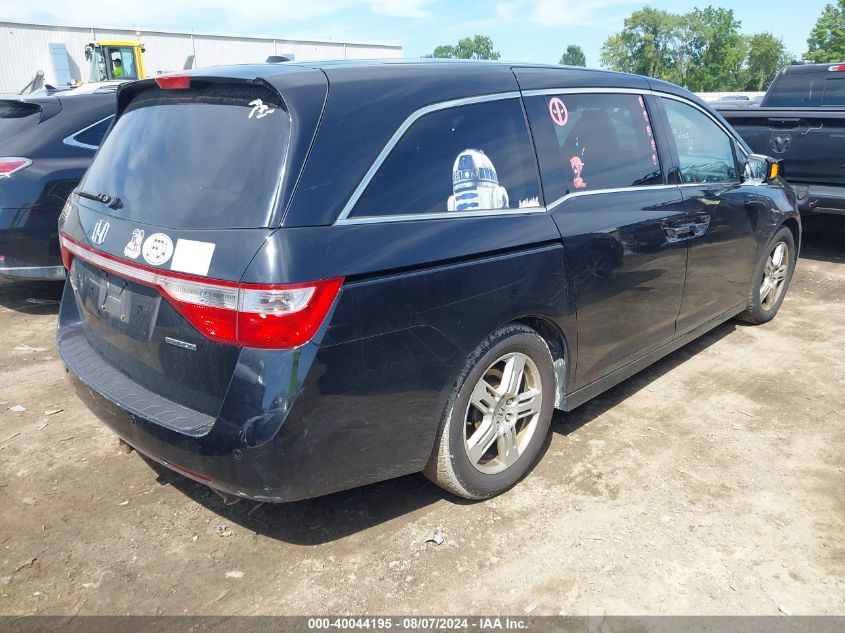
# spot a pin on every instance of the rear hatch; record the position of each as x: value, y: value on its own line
x: 183, y: 192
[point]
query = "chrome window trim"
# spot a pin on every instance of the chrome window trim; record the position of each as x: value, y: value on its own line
x: 71, y: 140
x: 578, y: 194
x: 636, y: 91
x: 400, y: 132
x: 445, y: 215
x: 344, y: 219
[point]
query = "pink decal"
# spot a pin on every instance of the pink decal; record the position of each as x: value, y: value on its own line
x: 649, y: 132
x: 577, y: 169
x: 558, y: 111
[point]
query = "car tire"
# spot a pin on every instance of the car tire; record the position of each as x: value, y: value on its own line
x: 496, y: 419
x: 771, y: 278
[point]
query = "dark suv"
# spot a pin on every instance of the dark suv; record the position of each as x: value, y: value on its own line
x: 47, y: 141
x: 286, y: 280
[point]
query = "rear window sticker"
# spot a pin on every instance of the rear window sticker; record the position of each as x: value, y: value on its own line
x: 259, y: 109
x: 475, y: 184
x: 133, y: 249
x: 558, y: 111
x: 157, y: 249
x: 577, y: 166
x: 192, y: 257
x: 529, y: 202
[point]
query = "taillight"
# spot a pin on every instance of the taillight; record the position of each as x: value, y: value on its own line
x: 174, y: 82
x: 836, y: 68
x: 250, y: 315
x: 10, y: 164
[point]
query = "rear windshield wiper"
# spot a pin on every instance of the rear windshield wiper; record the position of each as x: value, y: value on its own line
x: 112, y: 202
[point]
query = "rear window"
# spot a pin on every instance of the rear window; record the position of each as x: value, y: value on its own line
x: 200, y: 158
x: 17, y: 116
x: 797, y: 90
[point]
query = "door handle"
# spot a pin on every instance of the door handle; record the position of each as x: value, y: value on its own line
x: 676, y: 232
x: 700, y: 226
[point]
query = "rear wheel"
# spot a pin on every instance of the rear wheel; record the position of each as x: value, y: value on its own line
x: 497, y: 416
x: 771, y: 278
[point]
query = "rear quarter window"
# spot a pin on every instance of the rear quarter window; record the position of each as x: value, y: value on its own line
x: 834, y: 92
x: 92, y: 136
x: 587, y: 142
x: 475, y: 157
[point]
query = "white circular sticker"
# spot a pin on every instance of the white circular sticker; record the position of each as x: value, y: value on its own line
x: 158, y: 248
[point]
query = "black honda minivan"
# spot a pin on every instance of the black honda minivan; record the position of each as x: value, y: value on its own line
x: 287, y: 280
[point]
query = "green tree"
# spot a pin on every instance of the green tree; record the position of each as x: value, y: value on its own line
x: 716, y: 50
x: 702, y: 50
x: 827, y: 39
x: 647, y: 44
x: 574, y: 56
x: 478, y: 47
x: 766, y: 56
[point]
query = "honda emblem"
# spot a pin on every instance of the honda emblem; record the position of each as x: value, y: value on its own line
x: 101, y: 229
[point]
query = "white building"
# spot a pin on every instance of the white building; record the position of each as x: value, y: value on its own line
x: 59, y: 51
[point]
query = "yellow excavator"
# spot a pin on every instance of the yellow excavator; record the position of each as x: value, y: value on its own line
x: 115, y: 60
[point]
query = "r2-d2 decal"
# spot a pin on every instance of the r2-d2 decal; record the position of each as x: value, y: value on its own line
x: 475, y: 185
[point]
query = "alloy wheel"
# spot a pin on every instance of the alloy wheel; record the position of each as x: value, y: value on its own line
x: 503, y: 413
x: 774, y: 275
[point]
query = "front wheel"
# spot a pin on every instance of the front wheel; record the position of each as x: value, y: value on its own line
x: 497, y: 416
x: 771, y: 278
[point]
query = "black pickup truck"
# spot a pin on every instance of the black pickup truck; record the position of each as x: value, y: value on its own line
x: 801, y: 120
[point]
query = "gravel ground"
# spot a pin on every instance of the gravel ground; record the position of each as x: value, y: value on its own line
x: 713, y: 482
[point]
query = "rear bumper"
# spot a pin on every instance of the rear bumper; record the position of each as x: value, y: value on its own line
x: 43, y: 273
x: 29, y: 244
x: 820, y: 199
x: 227, y: 468
x: 282, y: 433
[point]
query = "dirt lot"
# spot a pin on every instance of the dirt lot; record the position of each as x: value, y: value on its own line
x: 714, y: 482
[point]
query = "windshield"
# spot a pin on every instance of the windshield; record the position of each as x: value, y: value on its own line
x: 113, y: 62
x: 195, y: 159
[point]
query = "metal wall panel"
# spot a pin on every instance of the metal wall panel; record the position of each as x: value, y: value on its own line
x: 218, y: 51
x: 24, y: 49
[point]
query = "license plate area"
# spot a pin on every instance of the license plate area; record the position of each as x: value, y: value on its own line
x: 124, y: 306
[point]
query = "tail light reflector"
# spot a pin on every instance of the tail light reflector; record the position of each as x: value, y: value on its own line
x: 268, y: 316
x: 836, y: 68
x: 10, y: 164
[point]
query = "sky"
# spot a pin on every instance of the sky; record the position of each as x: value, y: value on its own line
x: 522, y: 30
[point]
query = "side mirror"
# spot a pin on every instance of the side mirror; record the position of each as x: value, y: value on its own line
x: 762, y: 169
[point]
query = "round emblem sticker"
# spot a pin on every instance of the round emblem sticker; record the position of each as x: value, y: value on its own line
x: 558, y: 112
x: 158, y: 248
